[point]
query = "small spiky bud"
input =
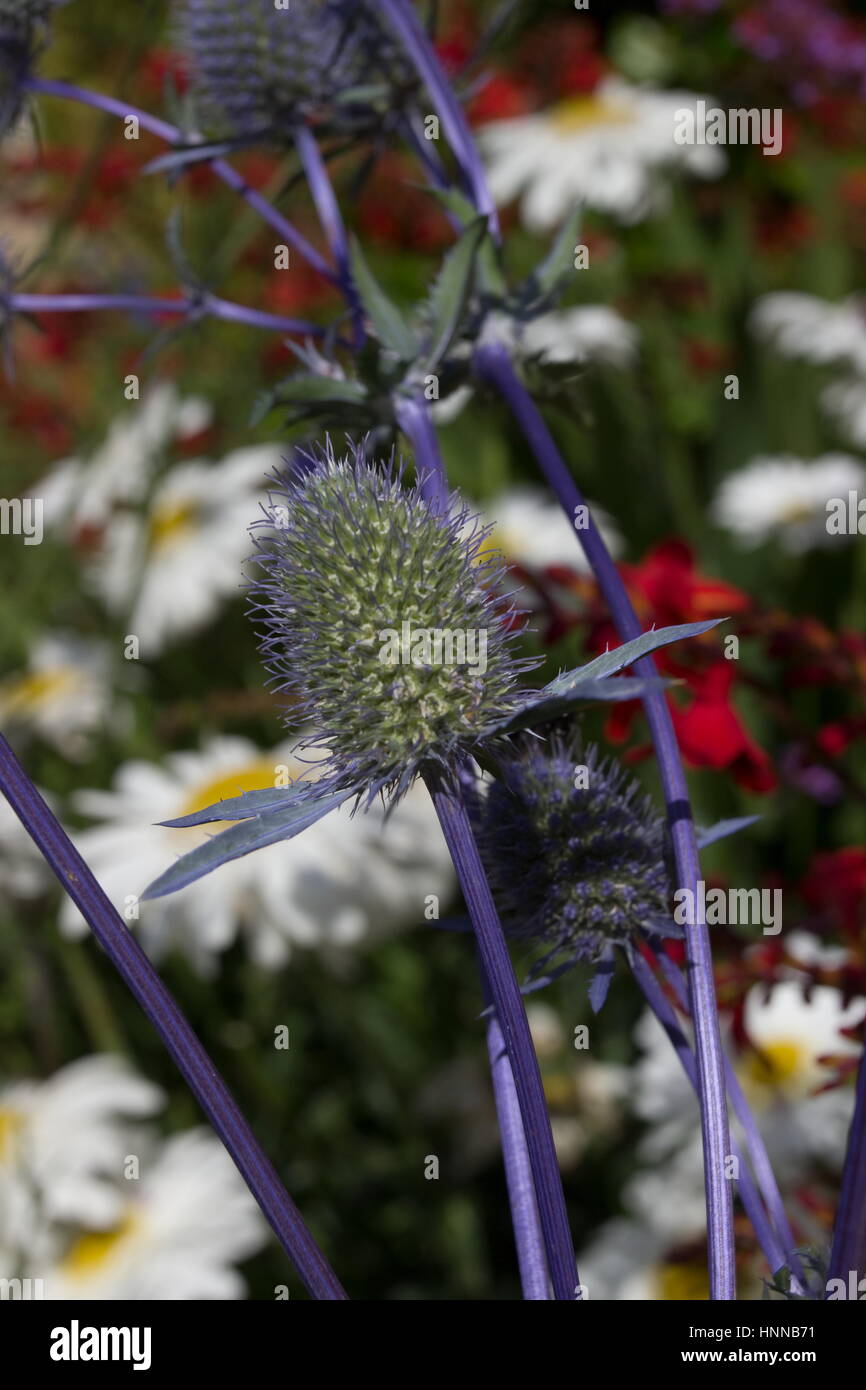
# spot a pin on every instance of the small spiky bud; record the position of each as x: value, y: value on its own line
x: 259, y: 67
x: 574, y: 850
x: 382, y: 621
x: 23, y: 33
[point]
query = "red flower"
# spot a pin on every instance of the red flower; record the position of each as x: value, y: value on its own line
x: 835, y: 889
x: 710, y: 733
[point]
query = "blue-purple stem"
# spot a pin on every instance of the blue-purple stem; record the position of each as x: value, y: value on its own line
x: 755, y: 1145
x: 41, y: 86
x: 181, y: 1042
x: 752, y: 1203
x: 404, y: 21
x: 494, y: 365
x: 848, y: 1252
x: 328, y: 209
x: 201, y: 305
x: 497, y: 971
x: 528, y: 1236
x: 511, y: 1016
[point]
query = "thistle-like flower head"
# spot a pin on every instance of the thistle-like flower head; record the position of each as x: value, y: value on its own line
x: 574, y: 850
x: 382, y: 621
x: 260, y: 67
x: 23, y: 32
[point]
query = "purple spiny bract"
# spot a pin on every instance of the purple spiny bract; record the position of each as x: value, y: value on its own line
x: 574, y: 849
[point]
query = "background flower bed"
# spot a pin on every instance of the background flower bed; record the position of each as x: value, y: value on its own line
x: 386, y: 1062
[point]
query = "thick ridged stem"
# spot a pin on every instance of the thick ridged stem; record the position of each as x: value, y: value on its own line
x: 173, y: 1028
x: 528, y: 1236
x: 755, y: 1146
x: 328, y: 209
x: 511, y: 1015
x: 405, y: 23
x: 494, y: 366
x: 749, y: 1194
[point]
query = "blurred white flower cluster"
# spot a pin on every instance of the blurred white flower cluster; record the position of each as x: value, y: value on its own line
x: 95, y: 1205
x: 658, y: 1251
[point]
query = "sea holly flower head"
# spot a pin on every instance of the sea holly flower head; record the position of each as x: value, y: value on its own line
x: 23, y: 32
x: 575, y: 851
x: 261, y: 67
x: 383, y: 621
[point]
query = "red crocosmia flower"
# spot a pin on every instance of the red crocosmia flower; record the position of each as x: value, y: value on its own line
x: 835, y: 889
x: 674, y: 591
x: 161, y: 64
x: 710, y: 733
x: 502, y: 95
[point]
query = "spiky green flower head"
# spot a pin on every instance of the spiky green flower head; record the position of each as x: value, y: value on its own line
x: 382, y: 621
x: 574, y: 849
x: 260, y: 66
x: 23, y: 34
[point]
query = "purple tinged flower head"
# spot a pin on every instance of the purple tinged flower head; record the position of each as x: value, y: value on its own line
x: 259, y: 67
x: 574, y: 850
x: 23, y: 34
x: 383, y: 620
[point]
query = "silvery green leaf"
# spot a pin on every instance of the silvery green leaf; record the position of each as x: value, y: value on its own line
x: 248, y: 835
x: 451, y: 291
x: 627, y: 654
x: 391, y: 328
x: 544, y: 708
x: 546, y: 282
x: 253, y: 803
x: 723, y: 828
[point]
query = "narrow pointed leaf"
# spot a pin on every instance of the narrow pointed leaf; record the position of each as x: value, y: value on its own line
x: 627, y: 655
x: 391, y: 328
x: 545, y: 281
x: 544, y: 708
x: 253, y: 803
x: 723, y: 828
x: 241, y: 839
x: 452, y: 289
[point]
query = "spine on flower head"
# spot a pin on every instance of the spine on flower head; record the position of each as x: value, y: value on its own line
x: 383, y: 620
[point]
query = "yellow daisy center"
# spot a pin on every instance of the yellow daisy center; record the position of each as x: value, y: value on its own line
x: 27, y: 693
x: 10, y: 1124
x: 780, y: 1065
x: 251, y: 777
x: 798, y: 511
x: 91, y: 1252
x: 583, y: 113
x: 685, y: 1282
x: 169, y: 521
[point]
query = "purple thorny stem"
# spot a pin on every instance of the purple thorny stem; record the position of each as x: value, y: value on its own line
x: 173, y: 1028
x: 195, y: 306
x: 848, y: 1253
x: 527, y: 1133
x: 494, y: 366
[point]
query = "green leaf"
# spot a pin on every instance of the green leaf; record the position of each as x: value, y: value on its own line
x: 391, y: 328
x: 723, y: 828
x: 545, y: 708
x: 450, y: 294
x: 546, y: 281
x: 628, y: 654
x: 248, y: 835
x: 253, y: 803
x: 309, y: 390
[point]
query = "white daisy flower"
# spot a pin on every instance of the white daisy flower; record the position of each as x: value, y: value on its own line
x: 786, y: 498
x: 185, y: 1221
x: 531, y: 529
x: 781, y: 1074
x: 63, y: 695
x: 630, y: 1262
x: 345, y: 879
x: 605, y: 151
x: 81, y: 494
x: 170, y: 569
x: 62, y: 1146
x: 588, y: 333
x: 818, y: 330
